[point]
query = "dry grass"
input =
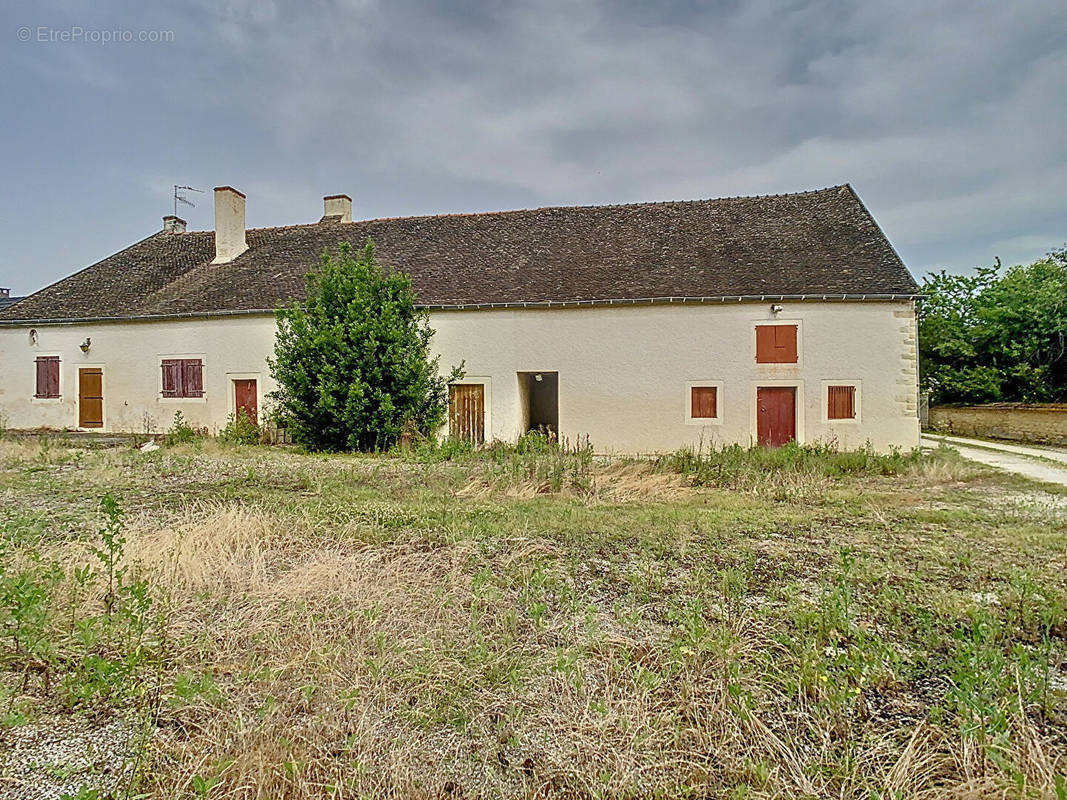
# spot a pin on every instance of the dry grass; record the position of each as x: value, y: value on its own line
x: 379, y: 628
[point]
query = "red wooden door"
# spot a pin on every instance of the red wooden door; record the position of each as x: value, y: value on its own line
x: 245, y: 399
x: 776, y: 415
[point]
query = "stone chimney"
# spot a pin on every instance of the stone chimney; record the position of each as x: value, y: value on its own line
x: 337, y: 205
x: 5, y: 293
x: 173, y: 224
x: 229, y: 224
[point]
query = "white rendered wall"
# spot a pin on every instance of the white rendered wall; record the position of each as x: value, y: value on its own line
x: 130, y: 354
x: 624, y: 371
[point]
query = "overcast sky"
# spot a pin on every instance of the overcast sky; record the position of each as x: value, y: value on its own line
x: 949, y: 118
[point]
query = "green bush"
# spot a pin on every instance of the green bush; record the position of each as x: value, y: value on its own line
x: 352, y: 362
x: 240, y: 429
x: 181, y: 432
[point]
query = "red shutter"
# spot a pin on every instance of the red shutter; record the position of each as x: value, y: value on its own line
x: 42, y: 378
x: 785, y: 344
x: 172, y: 377
x: 841, y: 402
x: 47, y: 376
x: 776, y: 344
x: 704, y: 402
x: 764, y: 344
x: 193, y: 377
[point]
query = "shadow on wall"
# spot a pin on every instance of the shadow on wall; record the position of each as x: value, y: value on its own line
x: 539, y: 401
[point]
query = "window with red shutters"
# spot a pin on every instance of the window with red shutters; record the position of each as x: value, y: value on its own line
x: 183, y: 377
x: 776, y: 344
x: 704, y: 402
x: 841, y: 402
x: 47, y: 377
x: 193, y: 377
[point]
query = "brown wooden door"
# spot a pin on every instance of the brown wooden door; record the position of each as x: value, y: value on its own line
x: 245, y: 399
x: 776, y: 415
x: 90, y: 398
x: 466, y: 412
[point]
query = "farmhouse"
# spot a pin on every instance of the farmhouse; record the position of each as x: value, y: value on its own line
x: 645, y: 326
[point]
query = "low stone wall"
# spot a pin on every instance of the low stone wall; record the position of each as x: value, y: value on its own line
x: 1041, y: 424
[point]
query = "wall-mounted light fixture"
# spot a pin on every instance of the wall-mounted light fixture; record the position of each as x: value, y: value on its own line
x: 33, y: 336
x: 86, y: 345
x: 776, y: 309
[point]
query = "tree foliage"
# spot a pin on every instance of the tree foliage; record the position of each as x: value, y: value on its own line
x: 996, y: 336
x: 352, y: 361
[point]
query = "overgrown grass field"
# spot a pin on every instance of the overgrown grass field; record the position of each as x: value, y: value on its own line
x: 527, y: 622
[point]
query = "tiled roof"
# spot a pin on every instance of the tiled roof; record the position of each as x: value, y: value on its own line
x: 813, y: 243
x: 8, y: 301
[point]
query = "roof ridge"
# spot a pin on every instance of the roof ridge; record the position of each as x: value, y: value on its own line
x: 509, y: 211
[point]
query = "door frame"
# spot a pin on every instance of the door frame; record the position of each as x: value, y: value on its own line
x: 487, y: 401
x: 797, y: 385
x: 78, y: 394
x: 231, y: 391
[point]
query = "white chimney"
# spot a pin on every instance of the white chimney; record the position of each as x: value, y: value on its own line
x: 337, y: 205
x: 229, y: 224
x: 173, y: 224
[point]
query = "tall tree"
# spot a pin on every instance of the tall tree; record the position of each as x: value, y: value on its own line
x: 996, y: 336
x: 352, y: 361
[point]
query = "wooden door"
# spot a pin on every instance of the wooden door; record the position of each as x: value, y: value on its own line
x: 466, y: 412
x: 246, y: 399
x: 776, y: 415
x: 90, y: 398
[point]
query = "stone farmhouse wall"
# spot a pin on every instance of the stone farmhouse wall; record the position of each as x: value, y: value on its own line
x: 1041, y: 424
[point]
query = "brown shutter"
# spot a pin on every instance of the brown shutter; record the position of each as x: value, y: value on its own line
x: 765, y: 344
x: 42, y: 378
x: 193, y: 377
x: 776, y: 344
x: 841, y: 402
x: 785, y: 344
x: 704, y: 402
x: 172, y: 377
x: 47, y: 376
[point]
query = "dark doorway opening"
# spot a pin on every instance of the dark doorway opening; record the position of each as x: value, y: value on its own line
x: 539, y: 401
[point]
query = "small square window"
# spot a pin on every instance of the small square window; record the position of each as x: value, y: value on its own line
x: 840, y: 402
x: 704, y: 402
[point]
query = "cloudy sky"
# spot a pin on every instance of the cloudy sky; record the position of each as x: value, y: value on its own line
x: 949, y: 118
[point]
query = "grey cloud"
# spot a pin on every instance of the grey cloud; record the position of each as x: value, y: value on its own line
x: 948, y: 117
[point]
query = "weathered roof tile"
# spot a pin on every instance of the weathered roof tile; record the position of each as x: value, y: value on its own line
x: 811, y: 243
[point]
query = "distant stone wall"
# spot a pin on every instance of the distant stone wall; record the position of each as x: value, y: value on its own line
x: 1042, y: 424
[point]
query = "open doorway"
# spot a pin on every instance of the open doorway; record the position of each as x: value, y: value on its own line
x: 539, y: 402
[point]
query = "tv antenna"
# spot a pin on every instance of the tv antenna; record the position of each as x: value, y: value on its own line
x: 181, y: 198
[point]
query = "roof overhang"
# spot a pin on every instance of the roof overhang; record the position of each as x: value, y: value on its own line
x: 533, y: 304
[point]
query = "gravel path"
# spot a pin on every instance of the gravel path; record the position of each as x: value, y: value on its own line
x: 58, y: 755
x: 1010, y: 460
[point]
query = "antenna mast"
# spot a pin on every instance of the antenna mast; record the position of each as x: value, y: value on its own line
x: 180, y: 198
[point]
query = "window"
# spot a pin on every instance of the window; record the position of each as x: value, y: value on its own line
x: 183, y: 377
x: 47, y: 376
x: 704, y: 402
x: 776, y: 344
x: 840, y: 402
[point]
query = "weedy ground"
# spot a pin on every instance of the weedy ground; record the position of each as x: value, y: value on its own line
x: 526, y: 622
